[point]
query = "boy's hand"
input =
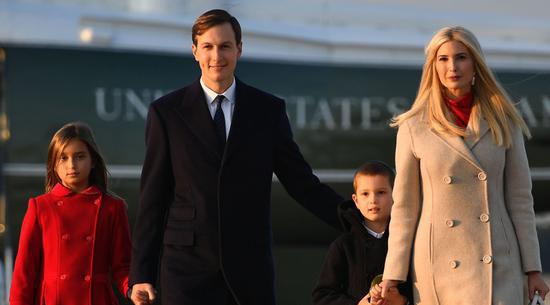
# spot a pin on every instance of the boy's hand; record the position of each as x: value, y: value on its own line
x: 365, y: 300
x: 368, y: 300
x: 373, y: 297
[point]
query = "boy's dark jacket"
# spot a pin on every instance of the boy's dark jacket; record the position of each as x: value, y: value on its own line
x: 352, y: 261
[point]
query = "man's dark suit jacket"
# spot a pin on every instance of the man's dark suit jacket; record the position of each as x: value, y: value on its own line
x: 206, y: 213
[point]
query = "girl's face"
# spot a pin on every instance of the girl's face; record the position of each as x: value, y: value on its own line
x: 74, y: 165
x: 455, y: 68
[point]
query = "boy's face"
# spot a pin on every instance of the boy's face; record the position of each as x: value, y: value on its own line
x: 373, y: 197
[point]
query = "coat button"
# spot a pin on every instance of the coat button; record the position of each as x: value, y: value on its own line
x: 59, y: 203
x: 63, y: 277
x: 484, y: 217
x: 482, y: 176
x: 65, y: 237
x: 96, y: 202
x: 487, y: 259
x: 453, y: 264
x: 87, y: 278
x: 448, y: 179
x: 450, y: 223
x: 88, y: 238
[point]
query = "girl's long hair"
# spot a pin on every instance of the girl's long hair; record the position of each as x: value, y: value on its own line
x: 490, y: 100
x: 79, y: 131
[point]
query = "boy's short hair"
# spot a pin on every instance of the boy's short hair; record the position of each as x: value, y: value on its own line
x: 372, y: 168
x: 213, y: 18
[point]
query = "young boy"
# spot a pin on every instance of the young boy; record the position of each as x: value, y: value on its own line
x: 356, y: 257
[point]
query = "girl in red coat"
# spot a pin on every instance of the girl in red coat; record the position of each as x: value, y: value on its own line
x: 75, y: 238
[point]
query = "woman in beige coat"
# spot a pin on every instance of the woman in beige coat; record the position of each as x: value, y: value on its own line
x: 463, y: 216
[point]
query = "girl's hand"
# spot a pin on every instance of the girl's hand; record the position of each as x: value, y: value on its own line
x: 535, y: 282
x: 143, y: 294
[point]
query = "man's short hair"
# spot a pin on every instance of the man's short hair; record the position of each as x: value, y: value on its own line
x: 213, y: 18
x: 372, y: 168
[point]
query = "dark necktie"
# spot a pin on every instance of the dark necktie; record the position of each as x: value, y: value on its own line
x: 219, y: 121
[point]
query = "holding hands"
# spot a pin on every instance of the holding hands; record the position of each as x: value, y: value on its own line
x: 391, y: 296
x: 143, y: 294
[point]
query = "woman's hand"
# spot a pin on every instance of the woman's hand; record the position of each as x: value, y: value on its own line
x: 386, y: 285
x: 394, y: 297
x: 535, y: 282
x: 376, y: 295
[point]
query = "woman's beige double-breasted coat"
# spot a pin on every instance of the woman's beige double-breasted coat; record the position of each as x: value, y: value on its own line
x: 462, y: 216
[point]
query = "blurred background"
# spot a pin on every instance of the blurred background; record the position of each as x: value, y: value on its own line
x: 344, y: 67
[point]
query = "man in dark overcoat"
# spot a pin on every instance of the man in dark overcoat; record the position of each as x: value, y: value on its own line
x: 211, y: 150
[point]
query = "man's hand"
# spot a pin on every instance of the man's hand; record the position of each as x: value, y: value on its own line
x: 143, y: 294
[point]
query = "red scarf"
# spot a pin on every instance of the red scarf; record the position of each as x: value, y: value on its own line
x: 461, y: 108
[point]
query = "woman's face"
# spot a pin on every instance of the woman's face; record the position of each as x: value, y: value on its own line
x: 455, y: 68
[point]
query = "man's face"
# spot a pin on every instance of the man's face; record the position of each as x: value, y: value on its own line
x: 217, y: 53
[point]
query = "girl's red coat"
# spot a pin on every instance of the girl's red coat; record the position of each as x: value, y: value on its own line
x: 72, y: 247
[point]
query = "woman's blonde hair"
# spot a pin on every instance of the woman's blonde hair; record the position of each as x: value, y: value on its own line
x: 490, y: 100
x: 82, y: 132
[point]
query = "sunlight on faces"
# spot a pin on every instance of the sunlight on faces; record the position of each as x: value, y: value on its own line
x: 74, y: 165
x: 217, y: 53
x: 373, y: 198
x: 455, y: 68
